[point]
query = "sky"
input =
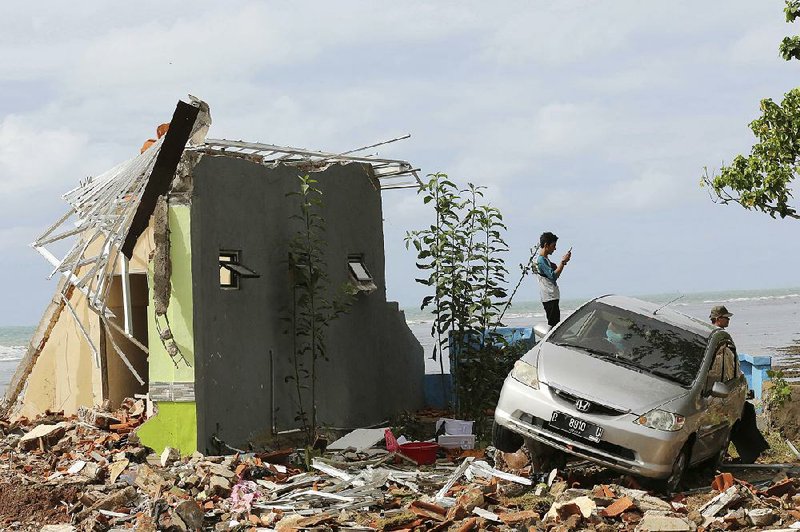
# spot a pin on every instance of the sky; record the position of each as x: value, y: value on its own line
x: 591, y: 119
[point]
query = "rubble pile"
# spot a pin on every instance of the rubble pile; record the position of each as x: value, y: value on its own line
x: 89, y: 473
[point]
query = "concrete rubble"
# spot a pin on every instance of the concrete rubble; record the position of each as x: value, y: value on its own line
x: 90, y: 473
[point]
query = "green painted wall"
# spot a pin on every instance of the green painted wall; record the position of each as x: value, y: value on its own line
x: 179, y: 312
x: 175, y: 424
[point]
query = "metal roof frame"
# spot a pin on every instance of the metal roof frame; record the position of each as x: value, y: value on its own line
x: 391, y: 173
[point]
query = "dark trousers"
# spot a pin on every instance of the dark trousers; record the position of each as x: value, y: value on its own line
x: 552, y: 312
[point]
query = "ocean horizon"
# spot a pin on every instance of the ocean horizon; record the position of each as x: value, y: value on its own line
x: 765, y: 321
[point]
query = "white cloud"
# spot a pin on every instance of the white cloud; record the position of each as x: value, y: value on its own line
x: 606, y: 107
x: 31, y: 156
x: 566, y: 128
x: 556, y: 33
x: 648, y: 192
x: 12, y: 239
x: 759, y: 45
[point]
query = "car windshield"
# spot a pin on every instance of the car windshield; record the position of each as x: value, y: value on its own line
x: 633, y: 340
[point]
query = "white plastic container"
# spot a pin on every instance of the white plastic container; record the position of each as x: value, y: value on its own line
x: 455, y: 427
x: 460, y: 441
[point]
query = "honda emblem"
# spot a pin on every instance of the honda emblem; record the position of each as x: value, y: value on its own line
x: 583, y: 405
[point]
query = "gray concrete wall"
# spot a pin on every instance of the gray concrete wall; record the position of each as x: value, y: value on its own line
x: 376, y: 365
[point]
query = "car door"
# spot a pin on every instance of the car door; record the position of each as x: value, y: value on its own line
x: 716, y: 418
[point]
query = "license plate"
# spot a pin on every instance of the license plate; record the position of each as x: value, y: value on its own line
x: 576, y: 426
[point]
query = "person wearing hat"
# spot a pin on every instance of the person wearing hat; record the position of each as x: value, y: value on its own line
x: 720, y: 316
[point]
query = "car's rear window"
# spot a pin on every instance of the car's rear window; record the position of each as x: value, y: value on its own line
x: 634, y: 340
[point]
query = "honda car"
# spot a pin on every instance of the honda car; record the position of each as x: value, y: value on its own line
x: 628, y: 384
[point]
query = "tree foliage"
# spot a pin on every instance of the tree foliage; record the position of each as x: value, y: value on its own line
x: 790, y: 46
x: 461, y: 254
x: 763, y: 180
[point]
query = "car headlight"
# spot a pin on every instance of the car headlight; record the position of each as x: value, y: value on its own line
x: 661, y: 420
x: 526, y: 374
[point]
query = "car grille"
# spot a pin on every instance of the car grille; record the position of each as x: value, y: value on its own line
x: 595, y: 408
x: 607, y: 447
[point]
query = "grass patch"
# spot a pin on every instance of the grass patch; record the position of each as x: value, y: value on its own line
x: 779, y: 451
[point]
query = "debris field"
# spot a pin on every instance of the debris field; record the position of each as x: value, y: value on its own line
x: 89, y: 472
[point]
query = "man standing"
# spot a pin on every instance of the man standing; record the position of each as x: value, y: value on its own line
x: 548, y: 276
x: 720, y: 316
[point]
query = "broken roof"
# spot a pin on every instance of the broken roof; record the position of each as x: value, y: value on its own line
x: 109, y: 212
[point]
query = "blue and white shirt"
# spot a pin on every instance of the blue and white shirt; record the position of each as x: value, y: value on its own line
x: 548, y: 289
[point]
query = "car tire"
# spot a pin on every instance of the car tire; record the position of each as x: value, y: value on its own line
x: 679, y: 466
x: 505, y: 439
x: 718, y: 458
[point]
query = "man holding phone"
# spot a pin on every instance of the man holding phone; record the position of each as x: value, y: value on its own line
x: 548, y: 276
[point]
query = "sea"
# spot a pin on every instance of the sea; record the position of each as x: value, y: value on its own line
x: 764, y: 322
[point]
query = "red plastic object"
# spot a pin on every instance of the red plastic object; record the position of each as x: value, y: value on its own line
x: 391, y: 443
x: 421, y: 452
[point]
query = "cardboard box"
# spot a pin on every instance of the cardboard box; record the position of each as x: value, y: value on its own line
x: 457, y: 441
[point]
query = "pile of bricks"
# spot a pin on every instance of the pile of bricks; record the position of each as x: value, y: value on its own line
x: 104, y: 479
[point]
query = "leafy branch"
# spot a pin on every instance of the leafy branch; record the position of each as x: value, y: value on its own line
x: 762, y: 180
x: 462, y: 256
x: 312, y: 311
x: 790, y: 46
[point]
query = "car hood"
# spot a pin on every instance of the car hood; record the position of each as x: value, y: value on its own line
x: 601, y: 381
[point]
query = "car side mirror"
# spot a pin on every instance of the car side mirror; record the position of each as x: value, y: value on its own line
x: 720, y: 389
x: 541, y: 330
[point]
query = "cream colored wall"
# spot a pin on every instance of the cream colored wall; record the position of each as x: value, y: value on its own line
x: 66, y: 374
x: 141, y: 252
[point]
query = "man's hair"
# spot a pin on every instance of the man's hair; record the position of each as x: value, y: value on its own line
x: 547, y: 238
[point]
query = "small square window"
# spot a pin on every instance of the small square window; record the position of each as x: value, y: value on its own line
x: 227, y: 279
x: 359, y: 274
x: 359, y: 271
x: 231, y: 270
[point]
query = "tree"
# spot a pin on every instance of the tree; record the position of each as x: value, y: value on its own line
x: 462, y: 257
x: 763, y: 180
x: 312, y: 310
x: 790, y: 46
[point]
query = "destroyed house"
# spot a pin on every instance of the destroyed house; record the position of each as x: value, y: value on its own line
x: 175, y: 286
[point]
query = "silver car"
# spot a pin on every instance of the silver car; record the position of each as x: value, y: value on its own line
x: 629, y: 385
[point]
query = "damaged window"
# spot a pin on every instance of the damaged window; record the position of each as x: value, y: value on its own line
x: 359, y: 274
x: 231, y: 270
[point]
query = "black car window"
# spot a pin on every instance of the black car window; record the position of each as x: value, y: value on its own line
x: 634, y: 340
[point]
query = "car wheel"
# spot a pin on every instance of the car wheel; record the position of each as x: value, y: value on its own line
x: 673, y: 481
x: 505, y: 440
x: 716, y: 462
